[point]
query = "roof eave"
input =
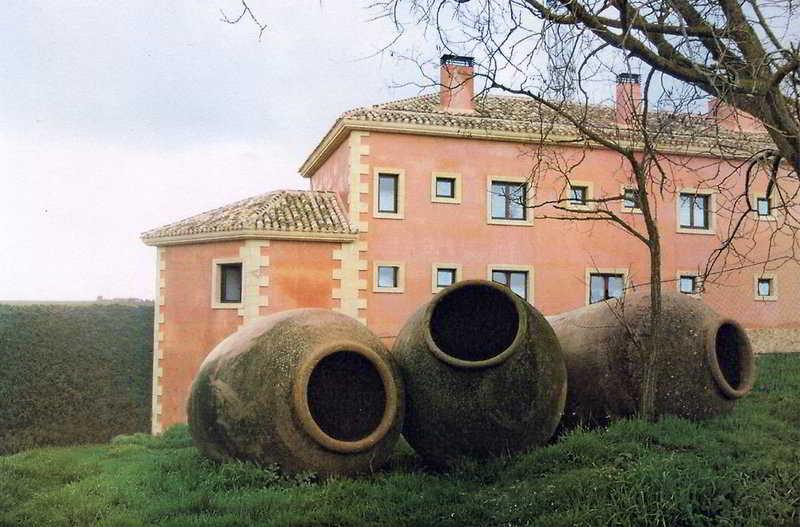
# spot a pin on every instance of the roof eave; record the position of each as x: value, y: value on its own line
x: 221, y: 236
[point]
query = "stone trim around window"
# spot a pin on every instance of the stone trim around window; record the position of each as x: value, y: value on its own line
x: 754, y: 201
x: 401, y: 193
x: 436, y: 266
x: 216, y: 283
x: 401, y: 277
x: 626, y: 282
x: 712, y: 212
x: 589, y: 195
x: 528, y: 221
x: 513, y: 267
x: 773, y: 297
x: 698, y: 282
x: 456, y: 191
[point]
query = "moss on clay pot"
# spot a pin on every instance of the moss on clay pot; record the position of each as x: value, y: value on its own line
x: 705, y: 363
x: 484, y: 374
x: 308, y: 389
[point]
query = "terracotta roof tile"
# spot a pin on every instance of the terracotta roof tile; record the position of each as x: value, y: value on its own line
x: 289, y: 211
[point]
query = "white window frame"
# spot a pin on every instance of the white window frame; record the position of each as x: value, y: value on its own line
x: 216, y: 283
x: 456, y: 177
x: 773, y: 286
x: 435, y: 268
x: 712, y: 211
x: 528, y: 221
x: 401, y: 277
x: 514, y: 267
x: 626, y: 284
x: 401, y: 193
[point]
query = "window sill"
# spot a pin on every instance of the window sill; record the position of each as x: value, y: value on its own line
x: 629, y: 210
x: 766, y: 299
x: 221, y: 305
x: 706, y: 232
x: 516, y: 223
x: 766, y: 218
x: 450, y: 201
x: 388, y: 215
x: 388, y: 290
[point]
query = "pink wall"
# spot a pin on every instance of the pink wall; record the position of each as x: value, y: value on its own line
x: 334, y: 174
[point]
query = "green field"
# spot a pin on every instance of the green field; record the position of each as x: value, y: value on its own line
x: 743, y: 469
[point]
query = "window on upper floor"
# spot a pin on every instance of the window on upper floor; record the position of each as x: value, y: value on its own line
x: 631, y: 199
x: 508, y: 200
x: 388, y: 193
x: 603, y: 286
x: 765, y: 288
x: 445, y: 276
x: 694, y: 211
x: 763, y: 207
x: 517, y: 281
x: 578, y: 194
x: 445, y: 187
x: 388, y: 277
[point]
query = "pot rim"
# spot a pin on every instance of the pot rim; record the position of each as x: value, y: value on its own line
x: 748, y: 364
x: 303, y: 412
x: 522, y: 326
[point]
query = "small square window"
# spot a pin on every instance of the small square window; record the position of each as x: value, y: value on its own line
x: 603, y: 286
x: 508, y: 200
x: 578, y: 195
x: 445, y: 187
x: 517, y: 281
x: 694, y: 213
x: 763, y: 207
x: 388, y: 276
x: 230, y: 283
x: 445, y: 277
x: 688, y: 284
x: 387, y: 192
x: 630, y: 199
x: 765, y: 287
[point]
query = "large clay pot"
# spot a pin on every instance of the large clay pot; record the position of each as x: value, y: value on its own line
x: 705, y: 363
x: 308, y: 389
x: 484, y: 374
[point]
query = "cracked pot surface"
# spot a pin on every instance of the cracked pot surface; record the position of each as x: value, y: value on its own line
x: 308, y: 389
x: 484, y: 374
x: 705, y: 362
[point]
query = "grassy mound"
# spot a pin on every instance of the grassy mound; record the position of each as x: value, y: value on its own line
x: 742, y: 469
x: 73, y: 374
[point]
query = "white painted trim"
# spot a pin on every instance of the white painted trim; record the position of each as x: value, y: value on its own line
x: 436, y: 266
x: 712, y: 212
x: 216, y: 283
x: 253, y: 234
x: 401, y: 193
x: 401, y: 277
x: 515, y: 267
x: 456, y: 190
x: 626, y: 283
x: 774, y: 286
x: 528, y: 221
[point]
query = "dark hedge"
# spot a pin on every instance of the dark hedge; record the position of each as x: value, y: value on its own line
x: 72, y: 374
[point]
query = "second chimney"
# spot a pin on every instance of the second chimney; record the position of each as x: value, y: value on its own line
x: 457, y: 86
x: 629, y: 97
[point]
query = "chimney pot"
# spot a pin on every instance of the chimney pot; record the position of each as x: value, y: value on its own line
x: 629, y: 98
x: 457, y: 86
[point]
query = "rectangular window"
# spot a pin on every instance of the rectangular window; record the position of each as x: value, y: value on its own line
x: 603, y: 286
x: 763, y: 207
x: 517, y: 281
x: 630, y: 199
x: 387, y: 192
x: 230, y: 283
x: 765, y: 287
x: 688, y: 284
x: 577, y: 195
x: 694, y: 213
x: 445, y: 277
x: 508, y: 200
x: 388, y: 276
x: 446, y: 187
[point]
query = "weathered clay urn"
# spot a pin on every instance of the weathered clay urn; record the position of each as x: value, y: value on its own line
x: 484, y: 374
x: 705, y: 362
x: 308, y: 389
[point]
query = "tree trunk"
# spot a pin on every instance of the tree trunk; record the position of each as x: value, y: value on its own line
x: 652, y: 347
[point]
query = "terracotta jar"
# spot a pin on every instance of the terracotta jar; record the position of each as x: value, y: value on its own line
x: 704, y: 365
x: 308, y: 389
x: 484, y: 374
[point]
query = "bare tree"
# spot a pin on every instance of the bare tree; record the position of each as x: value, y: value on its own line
x: 512, y: 39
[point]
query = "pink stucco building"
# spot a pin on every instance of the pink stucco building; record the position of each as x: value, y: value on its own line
x: 409, y: 196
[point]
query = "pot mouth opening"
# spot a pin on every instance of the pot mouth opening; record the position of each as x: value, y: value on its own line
x: 731, y: 359
x: 346, y: 398
x: 474, y: 324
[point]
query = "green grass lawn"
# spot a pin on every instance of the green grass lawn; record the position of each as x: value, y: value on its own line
x: 743, y: 469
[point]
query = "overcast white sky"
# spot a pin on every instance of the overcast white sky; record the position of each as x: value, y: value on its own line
x: 117, y: 117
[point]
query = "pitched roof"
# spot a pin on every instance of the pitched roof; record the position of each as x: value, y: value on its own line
x: 279, y: 214
x: 524, y: 119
